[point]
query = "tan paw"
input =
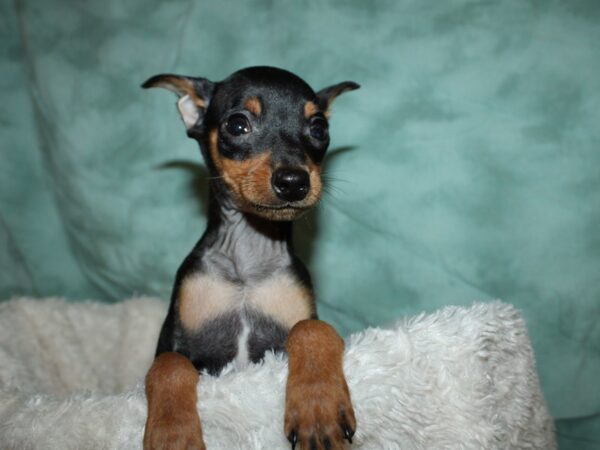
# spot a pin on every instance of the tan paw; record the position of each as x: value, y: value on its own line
x: 319, y: 414
x: 180, y: 432
x: 173, y: 422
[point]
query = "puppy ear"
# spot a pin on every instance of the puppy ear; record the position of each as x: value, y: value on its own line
x: 194, y: 95
x: 325, y: 97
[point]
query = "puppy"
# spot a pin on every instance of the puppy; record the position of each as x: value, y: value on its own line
x: 242, y: 291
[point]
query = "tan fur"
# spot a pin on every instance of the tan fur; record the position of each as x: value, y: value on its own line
x: 173, y: 421
x: 316, y: 186
x: 252, y: 177
x: 203, y: 297
x: 254, y: 106
x: 249, y: 182
x: 282, y: 298
x: 310, y: 109
x: 317, y: 399
x: 214, y: 150
x: 182, y: 87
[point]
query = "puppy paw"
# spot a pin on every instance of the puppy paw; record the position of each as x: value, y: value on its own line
x: 319, y: 414
x: 179, y: 432
x: 173, y: 422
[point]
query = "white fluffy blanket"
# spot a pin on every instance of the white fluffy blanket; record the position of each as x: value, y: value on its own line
x: 460, y: 378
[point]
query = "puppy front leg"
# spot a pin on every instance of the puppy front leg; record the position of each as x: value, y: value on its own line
x: 173, y: 422
x: 318, y: 410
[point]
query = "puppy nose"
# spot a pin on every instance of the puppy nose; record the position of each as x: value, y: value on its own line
x: 290, y: 184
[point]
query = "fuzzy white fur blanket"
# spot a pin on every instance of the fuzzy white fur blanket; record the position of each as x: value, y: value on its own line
x: 460, y: 378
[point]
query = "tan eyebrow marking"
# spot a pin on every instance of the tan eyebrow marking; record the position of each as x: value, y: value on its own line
x: 253, y: 105
x: 310, y: 109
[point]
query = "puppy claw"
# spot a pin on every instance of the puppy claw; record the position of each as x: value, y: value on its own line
x: 348, y: 433
x: 293, y: 438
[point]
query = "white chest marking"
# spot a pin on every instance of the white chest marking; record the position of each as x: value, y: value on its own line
x: 241, y: 358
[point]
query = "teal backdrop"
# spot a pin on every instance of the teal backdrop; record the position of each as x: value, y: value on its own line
x: 466, y: 168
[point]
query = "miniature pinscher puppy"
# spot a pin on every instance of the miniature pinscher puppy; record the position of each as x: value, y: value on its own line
x: 242, y: 291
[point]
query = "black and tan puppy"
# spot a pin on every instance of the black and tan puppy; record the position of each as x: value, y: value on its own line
x: 241, y: 291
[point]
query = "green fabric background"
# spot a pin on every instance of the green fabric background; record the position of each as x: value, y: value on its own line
x: 466, y: 168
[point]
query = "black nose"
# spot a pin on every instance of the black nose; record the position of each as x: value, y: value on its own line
x: 290, y: 184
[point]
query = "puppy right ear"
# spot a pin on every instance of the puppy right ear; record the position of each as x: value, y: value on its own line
x: 194, y: 95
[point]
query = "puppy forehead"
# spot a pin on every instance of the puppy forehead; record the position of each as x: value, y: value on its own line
x: 271, y: 86
x: 271, y: 78
x: 270, y: 97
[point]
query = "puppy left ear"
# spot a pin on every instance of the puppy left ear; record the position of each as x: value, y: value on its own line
x: 325, y: 97
x: 194, y: 95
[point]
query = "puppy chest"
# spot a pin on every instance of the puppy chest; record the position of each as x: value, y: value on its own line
x: 204, y: 297
x: 224, y: 321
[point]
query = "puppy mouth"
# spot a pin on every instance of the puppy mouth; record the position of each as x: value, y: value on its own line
x: 279, y: 212
x: 280, y: 207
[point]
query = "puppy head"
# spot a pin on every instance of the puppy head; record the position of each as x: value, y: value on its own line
x: 263, y: 133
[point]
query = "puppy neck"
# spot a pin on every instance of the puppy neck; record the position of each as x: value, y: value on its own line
x: 243, y: 247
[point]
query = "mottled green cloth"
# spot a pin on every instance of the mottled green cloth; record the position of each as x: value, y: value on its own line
x: 466, y: 168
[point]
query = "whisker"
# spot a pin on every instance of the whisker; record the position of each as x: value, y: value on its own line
x: 331, y: 196
x: 331, y: 177
x: 330, y: 188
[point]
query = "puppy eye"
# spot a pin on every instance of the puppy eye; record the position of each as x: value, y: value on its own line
x: 318, y: 128
x: 238, y: 124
